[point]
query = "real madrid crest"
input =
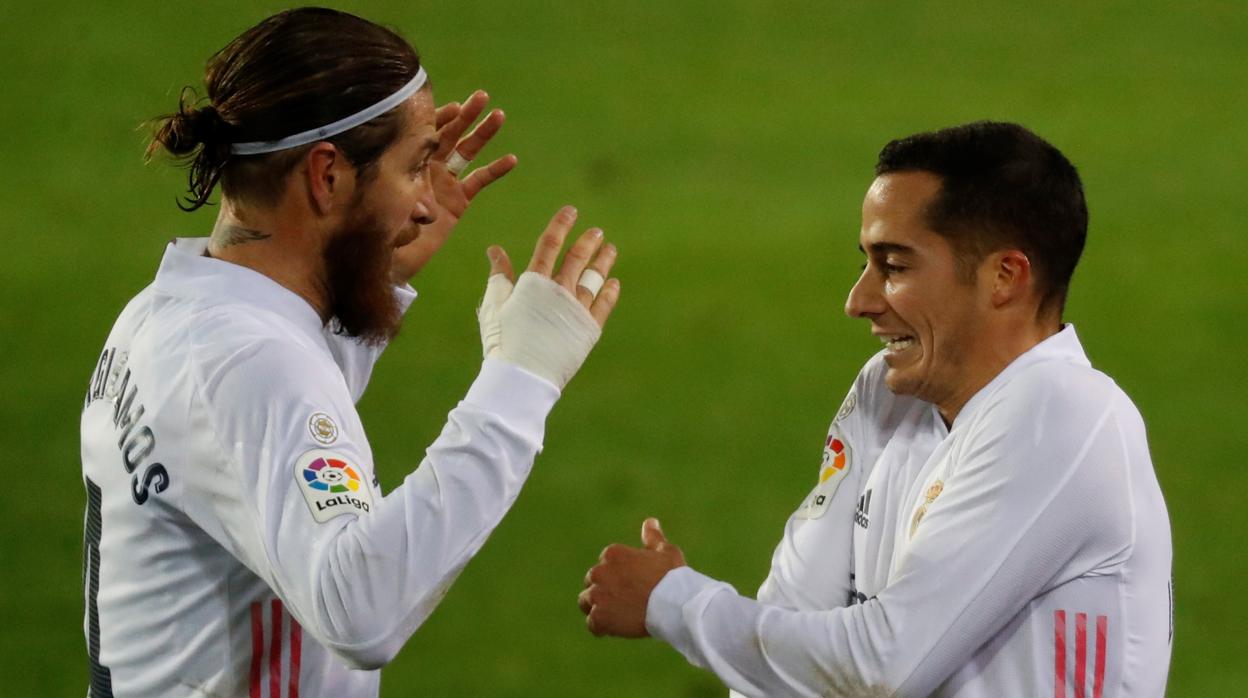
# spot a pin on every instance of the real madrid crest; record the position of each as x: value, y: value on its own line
x: 322, y: 428
x: 933, y: 491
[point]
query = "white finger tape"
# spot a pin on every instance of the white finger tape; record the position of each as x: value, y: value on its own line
x: 456, y: 163
x: 591, y: 281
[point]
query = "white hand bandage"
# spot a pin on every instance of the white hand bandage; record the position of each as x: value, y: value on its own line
x: 538, y: 325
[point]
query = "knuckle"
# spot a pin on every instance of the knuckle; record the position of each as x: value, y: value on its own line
x: 596, y: 625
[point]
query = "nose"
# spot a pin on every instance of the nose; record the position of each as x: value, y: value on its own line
x: 864, y: 298
x: 426, y: 209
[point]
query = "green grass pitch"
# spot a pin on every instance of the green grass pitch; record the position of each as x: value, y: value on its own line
x: 725, y: 146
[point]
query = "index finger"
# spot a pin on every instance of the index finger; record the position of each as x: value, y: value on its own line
x: 450, y: 132
x: 551, y: 241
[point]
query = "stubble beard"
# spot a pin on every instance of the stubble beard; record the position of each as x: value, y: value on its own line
x: 357, y: 262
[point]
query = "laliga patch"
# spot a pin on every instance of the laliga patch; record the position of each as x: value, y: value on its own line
x: 332, y: 485
x: 836, y: 461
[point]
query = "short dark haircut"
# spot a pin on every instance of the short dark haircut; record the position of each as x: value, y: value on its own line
x: 294, y: 71
x: 1002, y: 186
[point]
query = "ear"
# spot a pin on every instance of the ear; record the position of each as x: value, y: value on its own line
x: 1011, y: 276
x: 329, y: 178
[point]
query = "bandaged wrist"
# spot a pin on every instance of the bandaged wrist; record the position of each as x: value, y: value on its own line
x: 538, y: 325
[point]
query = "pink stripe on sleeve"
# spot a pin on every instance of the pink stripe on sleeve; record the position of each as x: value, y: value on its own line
x: 1059, y: 654
x: 1081, y: 652
x: 257, y: 648
x: 1098, y: 676
x: 275, y: 652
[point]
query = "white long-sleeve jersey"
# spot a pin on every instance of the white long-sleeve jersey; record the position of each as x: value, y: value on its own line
x: 237, y: 543
x: 1025, y: 551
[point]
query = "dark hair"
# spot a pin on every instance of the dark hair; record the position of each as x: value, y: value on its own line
x: 294, y: 71
x: 1001, y: 186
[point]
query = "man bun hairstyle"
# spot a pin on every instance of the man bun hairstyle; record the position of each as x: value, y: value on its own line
x: 297, y: 70
x: 1002, y: 186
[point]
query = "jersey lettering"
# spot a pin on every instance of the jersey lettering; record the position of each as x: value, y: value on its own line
x: 136, y: 443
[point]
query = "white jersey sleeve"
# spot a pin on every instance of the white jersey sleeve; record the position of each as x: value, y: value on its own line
x: 812, y: 566
x: 1023, y: 509
x: 299, y: 507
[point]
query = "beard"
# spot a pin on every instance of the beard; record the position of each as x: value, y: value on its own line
x: 357, y: 262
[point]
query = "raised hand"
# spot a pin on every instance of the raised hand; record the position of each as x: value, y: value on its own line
x: 455, y: 151
x: 548, y: 321
x: 455, y: 194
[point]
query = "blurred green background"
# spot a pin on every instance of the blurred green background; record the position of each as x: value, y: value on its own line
x: 725, y: 146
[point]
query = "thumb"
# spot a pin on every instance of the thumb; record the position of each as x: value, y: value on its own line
x: 652, y: 534
x: 499, y: 262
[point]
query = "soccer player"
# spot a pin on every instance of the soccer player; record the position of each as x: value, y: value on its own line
x: 237, y: 542
x: 986, y: 520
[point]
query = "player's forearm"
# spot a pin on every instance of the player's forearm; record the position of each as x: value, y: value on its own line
x: 385, y: 573
x: 762, y: 650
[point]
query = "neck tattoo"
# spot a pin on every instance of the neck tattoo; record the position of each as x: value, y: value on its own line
x: 226, y: 235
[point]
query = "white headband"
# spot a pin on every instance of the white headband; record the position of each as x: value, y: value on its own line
x: 344, y: 124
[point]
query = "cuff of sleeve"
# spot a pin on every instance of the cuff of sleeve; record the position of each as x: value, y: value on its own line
x: 665, y: 612
x: 519, y: 398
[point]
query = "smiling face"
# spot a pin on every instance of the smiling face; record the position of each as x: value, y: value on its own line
x: 931, y: 318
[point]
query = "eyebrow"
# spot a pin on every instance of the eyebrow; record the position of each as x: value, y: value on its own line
x: 430, y: 145
x: 883, y: 248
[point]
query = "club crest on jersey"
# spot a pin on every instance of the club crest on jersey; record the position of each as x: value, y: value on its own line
x: 933, y: 491
x: 835, y: 466
x: 332, y: 485
x: 322, y: 428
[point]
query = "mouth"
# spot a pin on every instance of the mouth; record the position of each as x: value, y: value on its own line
x: 896, y: 343
x: 408, y: 238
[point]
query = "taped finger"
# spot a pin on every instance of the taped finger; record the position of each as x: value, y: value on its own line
x: 456, y: 163
x: 591, y: 281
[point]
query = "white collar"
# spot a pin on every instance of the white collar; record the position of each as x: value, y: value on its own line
x: 186, y: 271
x: 1063, y: 346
